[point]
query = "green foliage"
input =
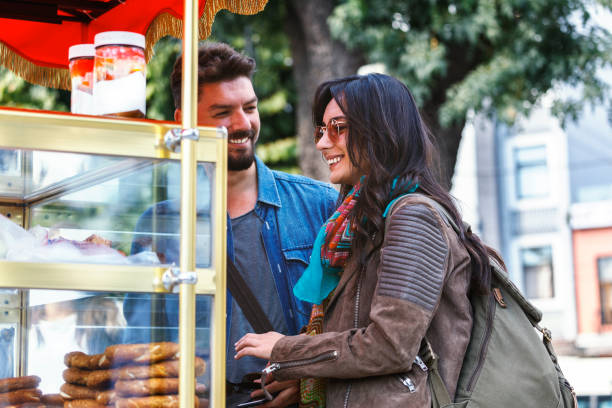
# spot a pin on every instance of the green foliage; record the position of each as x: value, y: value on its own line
x: 160, y: 105
x: 16, y: 92
x: 280, y: 154
x: 261, y: 37
x: 484, y: 55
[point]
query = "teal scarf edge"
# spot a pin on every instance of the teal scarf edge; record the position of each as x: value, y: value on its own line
x: 318, y: 279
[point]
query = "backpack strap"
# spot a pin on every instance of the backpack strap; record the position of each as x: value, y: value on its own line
x: 439, y: 394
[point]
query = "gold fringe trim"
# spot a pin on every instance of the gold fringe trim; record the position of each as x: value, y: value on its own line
x: 165, y: 24
x: 45, y: 76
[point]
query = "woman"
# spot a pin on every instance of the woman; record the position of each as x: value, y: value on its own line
x: 380, y: 281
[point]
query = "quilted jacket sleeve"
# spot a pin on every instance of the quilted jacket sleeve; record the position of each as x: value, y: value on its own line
x: 411, y: 274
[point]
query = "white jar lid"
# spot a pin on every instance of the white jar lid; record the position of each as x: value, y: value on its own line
x: 119, y: 38
x: 81, y: 50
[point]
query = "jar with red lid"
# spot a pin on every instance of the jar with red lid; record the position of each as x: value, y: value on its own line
x: 119, y: 74
x: 81, y: 63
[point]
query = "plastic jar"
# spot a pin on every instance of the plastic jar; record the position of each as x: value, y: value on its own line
x: 119, y: 74
x: 81, y: 63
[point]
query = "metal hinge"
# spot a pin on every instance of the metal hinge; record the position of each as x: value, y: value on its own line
x: 173, y: 138
x: 174, y: 277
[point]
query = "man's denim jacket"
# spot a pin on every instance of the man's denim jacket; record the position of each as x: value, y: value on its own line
x: 293, y: 209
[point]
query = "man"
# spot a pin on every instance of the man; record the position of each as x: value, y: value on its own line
x: 273, y: 217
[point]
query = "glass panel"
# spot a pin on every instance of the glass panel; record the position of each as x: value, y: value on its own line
x: 10, y: 163
x: 604, y: 267
x: 584, y: 402
x: 604, y: 401
x: 8, y: 350
x: 537, y: 272
x: 10, y: 306
x: 531, y: 172
x: 60, y: 322
x: 131, y: 205
x: 12, y: 180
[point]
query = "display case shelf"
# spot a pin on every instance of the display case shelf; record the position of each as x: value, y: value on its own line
x: 65, y: 177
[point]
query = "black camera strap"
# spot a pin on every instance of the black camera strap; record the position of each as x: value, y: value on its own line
x: 246, y: 300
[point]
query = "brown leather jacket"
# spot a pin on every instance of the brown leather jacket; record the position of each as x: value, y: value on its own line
x: 415, y: 286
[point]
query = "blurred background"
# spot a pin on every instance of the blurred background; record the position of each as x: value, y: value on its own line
x: 517, y: 95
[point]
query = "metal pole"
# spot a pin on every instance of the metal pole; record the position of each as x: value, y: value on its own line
x: 188, y: 206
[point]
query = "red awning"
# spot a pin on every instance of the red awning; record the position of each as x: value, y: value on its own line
x: 35, y: 36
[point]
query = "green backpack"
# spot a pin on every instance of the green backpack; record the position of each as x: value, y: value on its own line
x: 507, y: 364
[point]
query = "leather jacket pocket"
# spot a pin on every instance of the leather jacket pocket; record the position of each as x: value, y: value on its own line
x: 388, y: 391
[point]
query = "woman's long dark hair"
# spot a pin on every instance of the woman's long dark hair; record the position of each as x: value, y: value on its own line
x: 389, y: 141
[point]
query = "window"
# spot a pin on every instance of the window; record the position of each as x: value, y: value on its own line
x: 531, y: 172
x: 604, y: 268
x: 604, y: 401
x: 537, y: 270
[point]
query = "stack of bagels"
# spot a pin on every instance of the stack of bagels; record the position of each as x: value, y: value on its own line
x: 127, y: 376
x: 20, y: 392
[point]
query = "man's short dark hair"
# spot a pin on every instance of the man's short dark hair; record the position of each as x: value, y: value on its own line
x: 216, y: 62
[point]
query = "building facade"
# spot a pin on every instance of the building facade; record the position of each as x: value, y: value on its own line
x: 544, y: 200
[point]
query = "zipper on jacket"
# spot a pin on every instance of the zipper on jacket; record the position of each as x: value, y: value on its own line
x: 485, y: 342
x: 357, y: 299
x: 355, y: 326
x: 346, y: 397
x: 329, y: 355
x: 419, y: 361
x: 404, y: 379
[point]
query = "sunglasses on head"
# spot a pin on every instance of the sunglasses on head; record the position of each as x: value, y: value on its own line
x: 334, y: 128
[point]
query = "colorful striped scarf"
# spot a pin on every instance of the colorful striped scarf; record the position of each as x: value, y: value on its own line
x: 335, y: 250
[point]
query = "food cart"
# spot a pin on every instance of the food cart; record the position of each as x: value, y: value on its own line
x: 81, y: 191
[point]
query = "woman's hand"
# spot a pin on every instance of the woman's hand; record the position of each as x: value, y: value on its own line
x: 257, y: 345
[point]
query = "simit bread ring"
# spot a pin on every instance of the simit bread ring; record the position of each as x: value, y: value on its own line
x: 74, y: 392
x: 18, y: 383
x: 156, y: 401
x: 152, y: 386
x: 54, y: 400
x: 81, y: 360
x: 146, y: 353
x: 165, y: 369
x: 20, y: 396
x: 26, y: 405
x: 75, y: 376
x: 100, y: 379
x: 106, y: 397
x: 82, y: 403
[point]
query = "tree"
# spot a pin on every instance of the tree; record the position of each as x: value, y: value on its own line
x: 16, y: 92
x: 316, y: 57
x: 489, y: 56
x: 294, y: 50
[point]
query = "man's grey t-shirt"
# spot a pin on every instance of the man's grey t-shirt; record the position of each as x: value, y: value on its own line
x: 252, y: 262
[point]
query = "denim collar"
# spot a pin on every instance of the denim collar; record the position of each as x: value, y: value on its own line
x: 267, y: 192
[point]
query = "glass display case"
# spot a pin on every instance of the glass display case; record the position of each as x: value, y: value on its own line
x: 89, y: 230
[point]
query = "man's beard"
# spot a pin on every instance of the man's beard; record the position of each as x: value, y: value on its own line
x: 242, y: 161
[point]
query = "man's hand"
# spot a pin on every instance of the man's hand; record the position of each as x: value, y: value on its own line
x: 288, y: 393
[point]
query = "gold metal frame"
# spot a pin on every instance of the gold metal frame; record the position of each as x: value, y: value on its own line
x: 34, y: 130
x: 28, y: 130
x: 93, y: 135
